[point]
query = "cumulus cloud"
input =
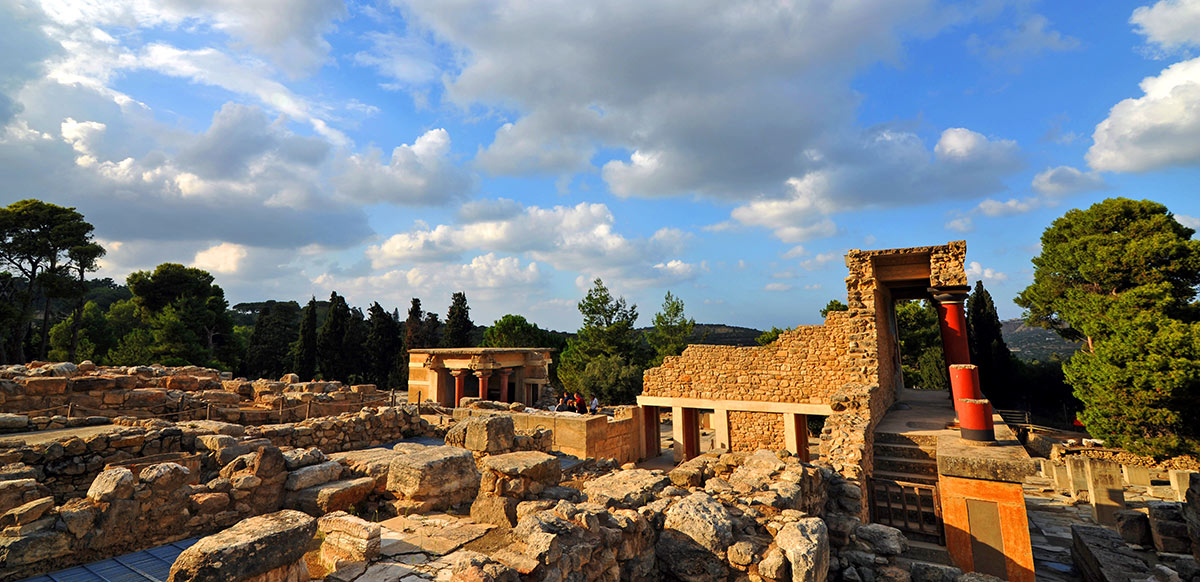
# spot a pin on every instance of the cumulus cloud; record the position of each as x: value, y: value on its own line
x: 1189, y: 221
x: 224, y: 258
x: 978, y: 271
x: 1170, y: 24
x: 1008, y: 207
x: 1064, y: 180
x: 777, y: 287
x: 1032, y: 37
x: 884, y: 167
x: 1155, y: 130
x: 417, y: 174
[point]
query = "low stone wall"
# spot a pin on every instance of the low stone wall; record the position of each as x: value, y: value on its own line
x: 848, y: 434
x: 584, y: 436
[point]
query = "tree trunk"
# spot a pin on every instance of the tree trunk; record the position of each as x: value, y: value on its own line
x: 45, y: 327
x: 78, y: 321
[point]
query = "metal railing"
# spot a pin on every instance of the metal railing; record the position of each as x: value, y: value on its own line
x: 909, y: 507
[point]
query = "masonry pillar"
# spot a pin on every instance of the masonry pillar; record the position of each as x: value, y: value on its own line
x: 460, y: 385
x: 795, y: 434
x: 504, y: 374
x: 1105, y: 491
x: 952, y: 321
x: 483, y: 376
x: 720, y: 422
x: 685, y: 433
x: 651, y: 432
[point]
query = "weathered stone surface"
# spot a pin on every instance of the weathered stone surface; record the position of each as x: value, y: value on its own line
x: 1102, y: 556
x: 534, y: 465
x: 329, y: 497
x: 885, y: 540
x: 445, y: 474
x: 1191, y: 512
x: 704, y: 520
x: 628, y: 489
x: 348, y: 540
x: 313, y: 475
x: 806, y: 545
x: 12, y: 422
x: 495, y: 509
x: 297, y: 458
x: 27, y: 513
x: 19, y: 492
x: 78, y: 515
x: 774, y: 564
x: 1133, y: 526
x: 1011, y: 464
x: 112, y: 484
x: 209, y: 503
x: 165, y: 476
x: 34, y: 547
x: 373, y: 463
x: 253, y: 547
x: 484, y: 434
x: 929, y: 572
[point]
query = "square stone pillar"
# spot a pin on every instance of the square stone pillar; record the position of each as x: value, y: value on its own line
x: 1105, y: 490
x: 1077, y: 472
x: 1062, y: 481
x: 795, y: 434
x: 504, y: 374
x: 1136, y: 475
x: 720, y: 424
x: 685, y: 433
x: 651, y: 432
x: 1179, y: 482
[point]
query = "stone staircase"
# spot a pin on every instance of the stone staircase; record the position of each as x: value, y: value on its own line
x: 908, y: 458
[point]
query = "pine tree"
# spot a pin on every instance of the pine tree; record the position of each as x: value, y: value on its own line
x: 354, y: 358
x: 671, y: 330
x: 606, y: 358
x: 331, y: 340
x: 989, y: 352
x: 304, y: 351
x: 431, y: 330
x: 458, y: 327
x: 413, y: 339
x: 267, y: 353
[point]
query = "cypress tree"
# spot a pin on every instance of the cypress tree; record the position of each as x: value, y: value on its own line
x: 354, y: 358
x: 382, y: 346
x: 331, y: 340
x: 458, y: 323
x: 304, y: 351
x: 412, y: 326
x: 988, y: 350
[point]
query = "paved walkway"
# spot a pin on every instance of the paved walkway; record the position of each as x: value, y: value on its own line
x: 151, y: 565
x: 44, y: 436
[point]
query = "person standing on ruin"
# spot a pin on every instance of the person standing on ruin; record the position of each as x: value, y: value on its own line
x: 594, y: 407
x: 580, y: 406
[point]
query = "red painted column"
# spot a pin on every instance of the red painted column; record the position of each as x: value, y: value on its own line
x: 483, y: 383
x: 952, y: 320
x: 504, y: 374
x: 964, y: 385
x: 460, y: 386
x: 691, y: 434
x: 651, y: 431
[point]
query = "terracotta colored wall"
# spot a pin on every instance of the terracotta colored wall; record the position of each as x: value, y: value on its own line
x: 1014, y: 523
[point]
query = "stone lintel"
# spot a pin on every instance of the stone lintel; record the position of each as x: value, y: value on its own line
x: 1006, y: 460
x: 739, y: 405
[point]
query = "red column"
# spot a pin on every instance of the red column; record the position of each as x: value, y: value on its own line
x: 964, y: 385
x: 952, y: 321
x: 483, y: 381
x: 460, y: 385
x: 504, y: 374
x: 691, y: 434
x: 651, y: 431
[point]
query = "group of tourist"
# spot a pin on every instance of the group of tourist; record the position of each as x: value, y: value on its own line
x: 567, y: 403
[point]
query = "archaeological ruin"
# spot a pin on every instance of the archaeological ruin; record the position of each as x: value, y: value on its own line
x: 805, y: 460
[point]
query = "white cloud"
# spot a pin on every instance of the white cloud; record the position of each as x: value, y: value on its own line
x: 1032, y: 37
x: 820, y: 260
x: 419, y: 174
x: 1009, y: 207
x: 777, y: 287
x: 224, y: 258
x: 977, y: 271
x: 1189, y: 221
x: 409, y: 62
x: 1064, y: 180
x: 961, y: 224
x: 1170, y: 24
x: 796, y: 251
x: 1155, y: 130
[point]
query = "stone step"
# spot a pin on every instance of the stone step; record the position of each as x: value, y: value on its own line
x: 929, y: 552
x: 919, y: 440
x: 922, y: 467
x: 905, y: 451
x: 906, y: 477
x: 329, y: 497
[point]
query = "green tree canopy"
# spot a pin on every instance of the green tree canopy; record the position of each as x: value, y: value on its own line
x: 833, y: 305
x: 383, y: 348
x: 304, y: 350
x: 768, y: 336
x: 332, y: 358
x: 188, y: 316
x: 671, y: 330
x: 514, y: 331
x: 270, y: 342
x: 457, y: 333
x: 985, y: 338
x: 920, y: 346
x: 1121, y: 275
x: 608, y: 345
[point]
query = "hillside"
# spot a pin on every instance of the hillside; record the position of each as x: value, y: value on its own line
x: 1035, y: 343
x: 724, y: 335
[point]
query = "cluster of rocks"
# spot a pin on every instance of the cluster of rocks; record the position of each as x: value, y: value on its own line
x: 186, y: 392
x: 494, y: 434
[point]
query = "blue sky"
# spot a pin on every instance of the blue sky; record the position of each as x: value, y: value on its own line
x: 728, y: 152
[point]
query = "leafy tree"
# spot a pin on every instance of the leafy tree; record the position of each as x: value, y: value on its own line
x: 304, y: 350
x: 607, y: 341
x: 768, y: 336
x: 36, y: 240
x: 833, y: 305
x: 188, y: 315
x: 382, y: 348
x: 84, y: 258
x: 92, y: 336
x: 989, y: 352
x: 918, y: 335
x: 514, y: 331
x: 331, y: 340
x: 1121, y: 275
x: 430, y: 330
x: 135, y: 348
x: 671, y: 330
x: 274, y: 330
x: 458, y: 327
x: 354, y: 358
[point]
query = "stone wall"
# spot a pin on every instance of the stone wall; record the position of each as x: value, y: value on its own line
x: 584, y: 436
x: 750, y: 431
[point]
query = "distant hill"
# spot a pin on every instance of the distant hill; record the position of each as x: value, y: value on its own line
x: 724, y: 335
x: 1035, y: 343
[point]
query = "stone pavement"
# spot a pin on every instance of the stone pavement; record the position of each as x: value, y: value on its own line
x: 418, y: 548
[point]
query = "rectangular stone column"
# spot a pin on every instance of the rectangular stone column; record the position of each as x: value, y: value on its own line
x: 1179, y: 482
x: 677, y: 433
x: 720, y: 422
x: 1105, y: 490
x: 1077, y: 472
x: 1062, y: 481
x: 1136, y: 475
x: 795, y: 434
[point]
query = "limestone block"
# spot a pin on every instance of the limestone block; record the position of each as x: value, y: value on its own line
x: 627, y: 489
x: 253, y: 547
x: 884, y: 540
x: 1179, y: 482
x: 209, y: 503
x: 331, y: 496
x: 704, y: 520
x: 536, y: 466
x: 112, y: 484
x: 1136, y: 475
x: 165, y: 476
x: 1191, y: 512
x: 27, y: 513
x: 34, y: 547
x: 13, y: 422
x: 445, y: 474
x: 806, y: 545
x: 1133, y: 526
x: 1102, y: 556
x: 495, y: 509
x: 1105, y: 490
x: 45, y: 386
x: 484, y: 434
x: 313, y: 475
x: 348, y: 540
